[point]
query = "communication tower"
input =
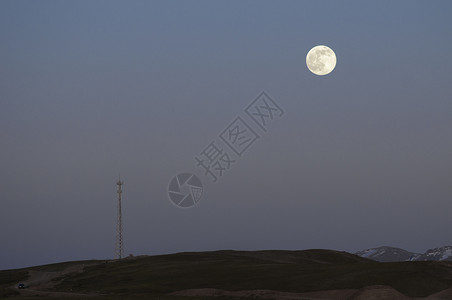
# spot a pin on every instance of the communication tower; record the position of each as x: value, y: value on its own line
x: 119, y: 242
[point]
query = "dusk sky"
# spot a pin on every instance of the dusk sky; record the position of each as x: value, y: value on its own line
x: 361, y: 157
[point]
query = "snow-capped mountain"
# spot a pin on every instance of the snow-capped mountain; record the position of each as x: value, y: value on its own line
x: 388, y: 254
x: 443, y: 253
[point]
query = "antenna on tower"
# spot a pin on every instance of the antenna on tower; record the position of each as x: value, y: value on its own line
x: 119, y: 242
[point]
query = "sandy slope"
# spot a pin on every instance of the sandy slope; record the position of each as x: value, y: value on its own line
x: 40, y: 282
x: 443, y: 295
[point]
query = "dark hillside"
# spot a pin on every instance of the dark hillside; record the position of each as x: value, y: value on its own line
x: 285, y: 271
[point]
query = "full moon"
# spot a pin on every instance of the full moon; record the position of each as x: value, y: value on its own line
x: 321, y: 60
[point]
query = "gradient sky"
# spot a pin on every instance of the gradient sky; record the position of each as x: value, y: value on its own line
x: 90, y: 89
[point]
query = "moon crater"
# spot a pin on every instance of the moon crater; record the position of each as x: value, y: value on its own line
x: 321, y: 60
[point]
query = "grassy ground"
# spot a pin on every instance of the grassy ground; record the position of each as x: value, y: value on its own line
x: 290, y: 271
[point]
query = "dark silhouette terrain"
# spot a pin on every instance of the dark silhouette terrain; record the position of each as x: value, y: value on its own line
x: 308, y: 274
